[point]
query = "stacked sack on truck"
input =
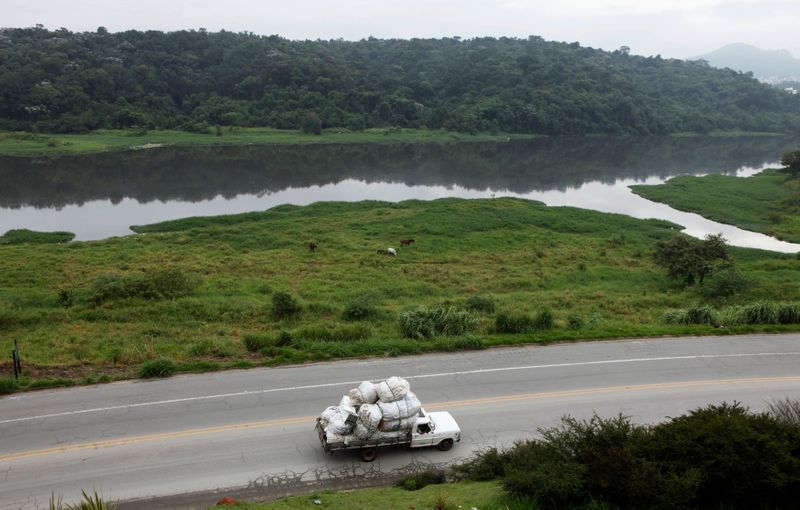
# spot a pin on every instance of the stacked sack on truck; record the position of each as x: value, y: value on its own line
x: 386, y: 410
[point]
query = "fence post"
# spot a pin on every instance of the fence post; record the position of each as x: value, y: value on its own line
x: 15, y: 360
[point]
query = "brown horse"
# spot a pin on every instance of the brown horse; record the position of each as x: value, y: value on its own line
x: 406, y: 242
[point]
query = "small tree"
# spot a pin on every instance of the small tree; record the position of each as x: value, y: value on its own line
x: 791, y: 162
x: 690, y: 259
x: 311, y: 124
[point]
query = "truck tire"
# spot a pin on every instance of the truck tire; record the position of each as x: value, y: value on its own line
x: 369, y: 454
x: 445, y: 445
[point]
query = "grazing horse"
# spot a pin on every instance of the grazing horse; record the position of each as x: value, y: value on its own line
x: 312, y: 247
x: 406, y: 242
x: 391, y: 251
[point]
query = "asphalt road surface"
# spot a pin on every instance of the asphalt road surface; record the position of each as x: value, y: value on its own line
x: 239, y: 429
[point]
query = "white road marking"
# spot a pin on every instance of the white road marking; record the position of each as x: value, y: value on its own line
x: 423, y: 376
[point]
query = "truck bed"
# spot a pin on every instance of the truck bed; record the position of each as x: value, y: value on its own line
x: 357, y: 444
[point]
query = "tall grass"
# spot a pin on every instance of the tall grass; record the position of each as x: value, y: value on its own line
x: 426, y: 323
x: 760, y: 313
x: 523, y: 323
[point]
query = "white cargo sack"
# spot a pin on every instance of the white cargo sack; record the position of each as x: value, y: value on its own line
x: 332, y: 438
x: 395, y: 425
x: 346, y: 405
x: 392, y: 389
x: 355, y: 397
x: 405, y: 408
x: 365, y: 393
x: 336, y: 421
x: 390, y: 435
x: 370, y: 415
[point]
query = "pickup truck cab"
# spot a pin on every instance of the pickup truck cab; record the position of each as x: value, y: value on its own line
x: 437, y: 429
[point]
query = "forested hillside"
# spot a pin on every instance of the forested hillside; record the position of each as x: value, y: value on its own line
x: 59, y: 81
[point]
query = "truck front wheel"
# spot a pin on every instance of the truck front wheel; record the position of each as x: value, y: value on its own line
x: 370, y: 454
x: 445, y: 445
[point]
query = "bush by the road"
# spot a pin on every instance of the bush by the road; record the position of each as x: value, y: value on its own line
x: 162, y: 367
x: 719, y: 456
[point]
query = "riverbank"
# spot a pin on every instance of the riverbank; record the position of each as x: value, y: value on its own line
x: 22, y: 144
x: 766, y: 202
x: 29, y: 144
x: 245, y: 290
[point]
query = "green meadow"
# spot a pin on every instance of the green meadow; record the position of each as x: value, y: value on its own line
x: 766, y: 202
x: 245, y: 290
x: 102, y: 140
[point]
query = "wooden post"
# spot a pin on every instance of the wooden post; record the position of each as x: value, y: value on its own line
x: 15, y: 360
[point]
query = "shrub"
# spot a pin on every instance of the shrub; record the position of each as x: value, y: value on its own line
x: 254, y: 343
x: 488, y: 464
x: 675, y: 317
x: 738, y: 459
x: 513, y: 323
x: 786, y: 411
x: 284, y: 306
x: 284, y: 339
x: 759, y: 313
x: 575, y: 321
x: 789, y: 313
x: 162, y: 367
x: 358, y: 309
x: 694, y: 315
x: 169, y: 284
x: 154, y: 285
x: 480, y: 304
x: 522, y: 323
x: 66, y: 297
x: 701, y: 315
x: 109, y: 287
x: 724, y: 283
x: 416, y: 481
x: 89, y: 502
x: 425, y: 322
x: 7, y: 385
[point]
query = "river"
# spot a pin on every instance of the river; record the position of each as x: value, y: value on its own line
x: 100, y: 195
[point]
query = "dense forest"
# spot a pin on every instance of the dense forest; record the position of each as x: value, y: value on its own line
x: 60, y: 81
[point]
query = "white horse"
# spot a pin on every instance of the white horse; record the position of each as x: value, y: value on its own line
x: 391, y: 251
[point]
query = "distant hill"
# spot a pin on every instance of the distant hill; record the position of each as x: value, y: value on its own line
x: 767, y: 65
x: 60, y: 81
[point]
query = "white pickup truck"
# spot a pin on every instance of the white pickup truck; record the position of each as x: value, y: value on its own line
x: 431, y: 429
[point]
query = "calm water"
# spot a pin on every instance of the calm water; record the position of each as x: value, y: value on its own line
x: 101, y: 195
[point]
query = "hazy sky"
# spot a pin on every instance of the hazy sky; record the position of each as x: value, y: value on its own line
x: 672, y: 28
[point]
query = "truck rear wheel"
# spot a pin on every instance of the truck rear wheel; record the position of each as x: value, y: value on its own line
x: 445, y: 445
x: 369, y: 454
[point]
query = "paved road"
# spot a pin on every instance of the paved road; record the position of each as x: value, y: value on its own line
x: 198, y: 432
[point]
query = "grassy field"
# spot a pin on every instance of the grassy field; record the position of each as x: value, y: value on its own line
x: 766, y: 202
x: 211, y: 293
x: 29, y: 144
x: 464, y: 495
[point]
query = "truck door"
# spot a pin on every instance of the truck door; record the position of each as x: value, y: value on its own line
x: 423, y: 434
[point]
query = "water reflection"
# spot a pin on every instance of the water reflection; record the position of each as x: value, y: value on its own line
x: 100, y: 195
